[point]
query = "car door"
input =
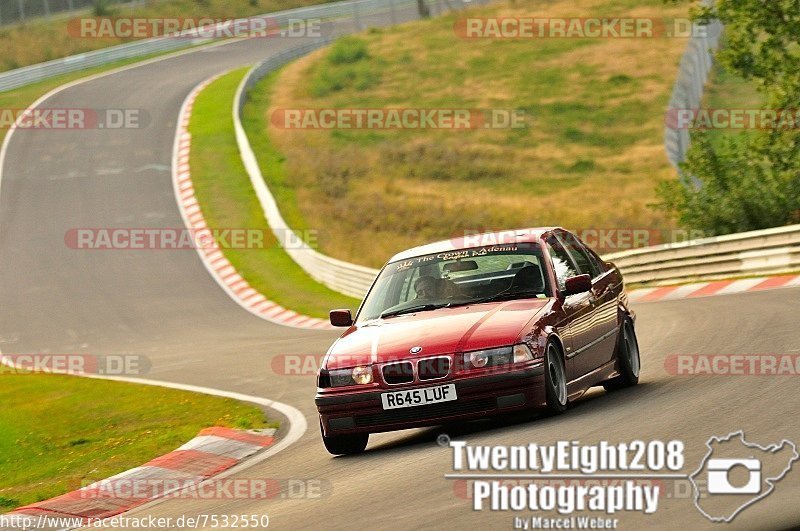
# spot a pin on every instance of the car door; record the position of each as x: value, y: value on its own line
x: 579, y: 310
x: 604, y: 315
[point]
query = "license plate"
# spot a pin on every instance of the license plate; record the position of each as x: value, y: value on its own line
x: 419, y: 397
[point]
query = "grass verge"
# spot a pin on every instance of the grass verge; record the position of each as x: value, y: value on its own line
x: 23, y: 97
x: 57, y: 433
x: 42, y: 39
x: 589, y: 156
x: 228, y: 200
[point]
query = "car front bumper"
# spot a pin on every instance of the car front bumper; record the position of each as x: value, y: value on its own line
x: 478, y: 397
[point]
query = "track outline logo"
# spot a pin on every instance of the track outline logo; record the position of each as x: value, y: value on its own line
x: 771, y: 481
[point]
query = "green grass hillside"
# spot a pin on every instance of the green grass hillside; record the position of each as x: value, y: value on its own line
x: 589, y: 156
x: 39, y: 40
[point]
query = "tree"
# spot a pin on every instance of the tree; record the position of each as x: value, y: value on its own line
x: 750, y: 180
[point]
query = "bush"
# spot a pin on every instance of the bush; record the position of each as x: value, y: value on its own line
x: 346, y: 65
x: 749, y: 181
x: 348, y: 50
x: 737, y: 184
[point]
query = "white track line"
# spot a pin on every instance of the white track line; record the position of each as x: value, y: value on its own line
x: 79, y: 81
x: 297, y: 421
x: 218, y: 267
x: 177, y: 154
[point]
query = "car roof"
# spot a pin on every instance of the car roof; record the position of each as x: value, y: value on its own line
x: 472, y: 241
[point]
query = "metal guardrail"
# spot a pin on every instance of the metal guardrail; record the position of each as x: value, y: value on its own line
x: 769, y: 251
x: 358, y: 11
x: 344, y: 277
x: 350, y: 16
x: 41, y: 71
x: 16, y: 11
x: 687, y: 93
x: 761, y: 252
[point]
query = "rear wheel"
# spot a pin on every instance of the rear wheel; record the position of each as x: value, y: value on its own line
x: 627, y: 358
x: 344, y: 444
x: 555, y: 379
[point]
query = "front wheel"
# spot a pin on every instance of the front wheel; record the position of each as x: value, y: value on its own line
x: 628, y: 359
x: 344, y: 444
x: 555, y: 380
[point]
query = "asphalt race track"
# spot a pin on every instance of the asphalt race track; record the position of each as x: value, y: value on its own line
x: 164, y: 305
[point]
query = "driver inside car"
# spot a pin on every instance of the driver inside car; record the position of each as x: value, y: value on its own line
x: 425, y: 287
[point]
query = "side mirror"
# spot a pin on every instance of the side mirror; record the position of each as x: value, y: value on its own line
x: 341, y: 318
x: 578, y: 284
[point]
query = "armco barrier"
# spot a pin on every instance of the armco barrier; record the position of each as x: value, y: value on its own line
x: 344, y: 277
x: 769, y: 251
x: 687, y: 93
x: 761, y: 252
x: 350, y: 15
x: 38, y: 72
x: 16, y: 11
x: 359, y: 11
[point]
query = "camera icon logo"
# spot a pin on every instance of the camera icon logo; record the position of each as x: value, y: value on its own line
x: 719, y: 471
x: 735, y: 473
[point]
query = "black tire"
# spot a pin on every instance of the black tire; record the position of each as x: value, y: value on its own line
x: 555, y: 378
x: 344, y: 444
x: 628, y: 359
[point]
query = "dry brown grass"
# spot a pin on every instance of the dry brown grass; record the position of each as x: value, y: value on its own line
x: 39, y: 40
x: 589, y: 157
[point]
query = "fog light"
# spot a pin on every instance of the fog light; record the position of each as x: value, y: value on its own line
x: 362, y: 375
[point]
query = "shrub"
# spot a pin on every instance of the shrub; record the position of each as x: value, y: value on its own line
x: 348, y: 50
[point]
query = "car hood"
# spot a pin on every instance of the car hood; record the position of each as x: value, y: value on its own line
x: 441, y: 331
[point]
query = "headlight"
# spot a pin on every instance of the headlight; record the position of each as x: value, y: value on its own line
x: 497, y: 356
x: 488, y: 358
x: 360, y: 375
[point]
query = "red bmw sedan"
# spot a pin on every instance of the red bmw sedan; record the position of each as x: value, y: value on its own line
x: 476, y: 327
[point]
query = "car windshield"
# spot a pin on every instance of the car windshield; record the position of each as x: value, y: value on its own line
x: 456, y: 278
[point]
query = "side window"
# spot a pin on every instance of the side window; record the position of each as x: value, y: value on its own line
x: 562, y: 263
x: 587, y: 265
x: 597, y: 261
